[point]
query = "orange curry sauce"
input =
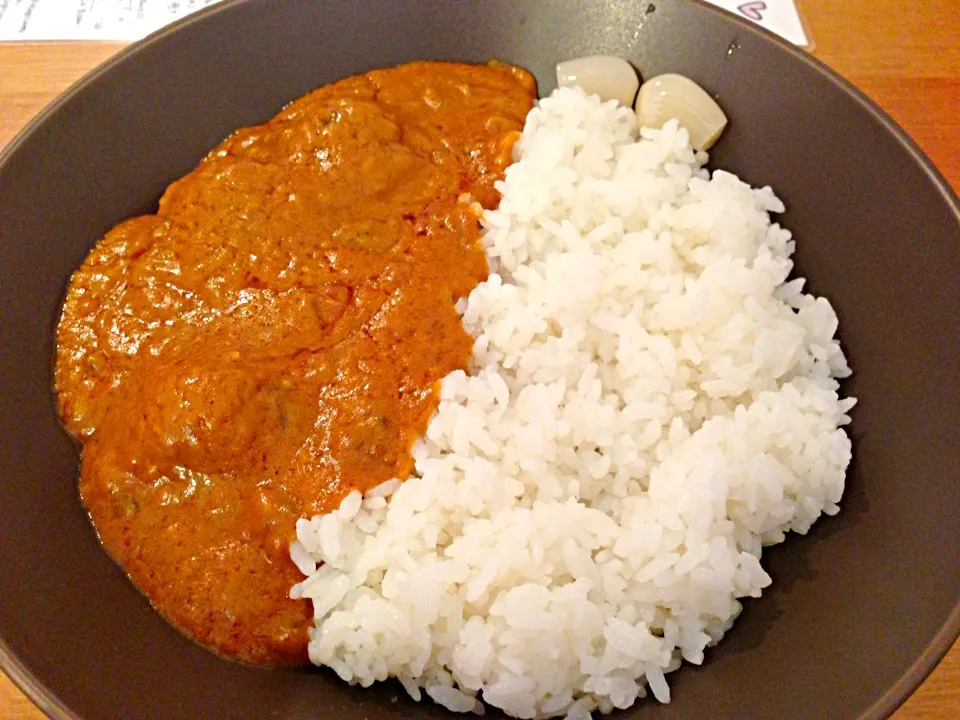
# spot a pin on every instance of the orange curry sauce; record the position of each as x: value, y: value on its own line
x: 273, y: 337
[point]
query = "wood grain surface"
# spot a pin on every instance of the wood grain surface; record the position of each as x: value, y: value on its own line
x: 905, y: 56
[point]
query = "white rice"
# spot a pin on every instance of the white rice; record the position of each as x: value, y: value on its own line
x: 651, y: 402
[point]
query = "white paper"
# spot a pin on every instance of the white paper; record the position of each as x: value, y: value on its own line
x: 778, y: 16
x: 121, y: 20
x: 133, y: 19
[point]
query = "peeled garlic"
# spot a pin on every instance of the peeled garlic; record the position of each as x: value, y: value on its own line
x: 611, y: 78
x: 675, y: 96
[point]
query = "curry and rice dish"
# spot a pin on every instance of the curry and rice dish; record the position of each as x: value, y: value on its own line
x: 427, y: 379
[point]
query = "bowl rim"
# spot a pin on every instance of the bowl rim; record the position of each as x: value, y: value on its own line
x: 53, y: 707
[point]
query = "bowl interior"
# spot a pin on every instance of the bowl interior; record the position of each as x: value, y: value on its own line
x: 851, y: 623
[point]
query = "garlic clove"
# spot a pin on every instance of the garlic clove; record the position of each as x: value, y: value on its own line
x: 675, y: 96
x: 611, y: 78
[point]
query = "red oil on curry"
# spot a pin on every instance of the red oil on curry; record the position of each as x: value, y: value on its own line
x: 272, y: 338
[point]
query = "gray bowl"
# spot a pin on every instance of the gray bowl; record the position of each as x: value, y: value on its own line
x: 860, y: 610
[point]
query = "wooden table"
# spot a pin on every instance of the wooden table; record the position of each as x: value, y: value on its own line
x: 905, y: 56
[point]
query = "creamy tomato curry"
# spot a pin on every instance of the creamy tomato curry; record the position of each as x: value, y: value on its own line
x: 273, y: 337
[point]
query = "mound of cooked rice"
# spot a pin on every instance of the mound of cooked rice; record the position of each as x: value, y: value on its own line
x: 651, y: 402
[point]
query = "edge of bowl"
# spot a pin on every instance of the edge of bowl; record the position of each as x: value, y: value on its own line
x: 51, y: 705
x: 31, y: 686
x: 108, y: 64
x: 919, y: 671
x: 20, y: 675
